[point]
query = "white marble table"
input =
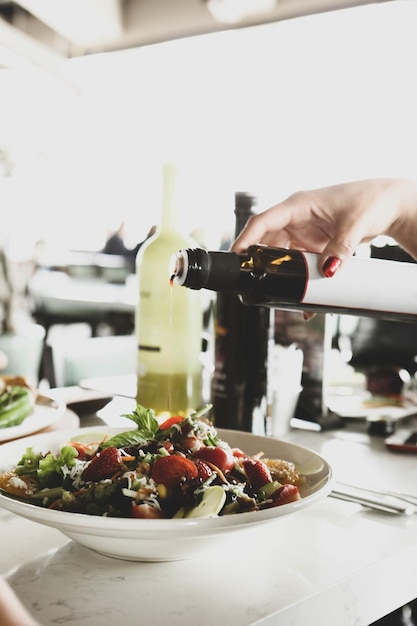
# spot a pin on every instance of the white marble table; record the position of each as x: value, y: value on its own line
x: 332, y: 564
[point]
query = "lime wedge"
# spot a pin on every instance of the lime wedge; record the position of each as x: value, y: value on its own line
x: 211, y: 504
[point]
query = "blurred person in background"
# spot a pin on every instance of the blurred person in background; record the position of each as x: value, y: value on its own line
x: 115, y: 244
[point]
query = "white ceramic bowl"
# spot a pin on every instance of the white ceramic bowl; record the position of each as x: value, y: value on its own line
x: 170, y: 539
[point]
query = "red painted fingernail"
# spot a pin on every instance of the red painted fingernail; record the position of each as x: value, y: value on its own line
x: 330, y: 266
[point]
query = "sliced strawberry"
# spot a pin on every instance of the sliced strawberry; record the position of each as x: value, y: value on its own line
x: 146, y: 511
x: 204, y: 471
x: 220, y: 457
x: 173, y: 471
x: 256, y: 472
x: 170, y: 421
x: 286, y: 494
x: 103, y: 465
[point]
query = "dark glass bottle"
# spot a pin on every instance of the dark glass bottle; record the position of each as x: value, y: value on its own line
x: 238, y: 389
x: 290, y: 279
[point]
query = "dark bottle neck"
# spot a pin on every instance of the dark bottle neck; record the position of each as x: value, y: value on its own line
x: 244, y: 207
x: 263, y: 275
x: 217, y: 271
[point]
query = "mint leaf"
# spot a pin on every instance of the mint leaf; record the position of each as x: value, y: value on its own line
x: 147, y: 427
x: 144, y: 419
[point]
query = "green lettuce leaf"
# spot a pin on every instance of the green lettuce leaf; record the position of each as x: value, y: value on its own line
x: 46, y: 468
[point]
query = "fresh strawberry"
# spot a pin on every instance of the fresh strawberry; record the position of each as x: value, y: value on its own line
x: 220, y: 457
x: 204, y: 471
x: 170, y: 421
x: 256, y: 472
x: 103, y: 465
x: 286, y: 494
x: 173, y: 471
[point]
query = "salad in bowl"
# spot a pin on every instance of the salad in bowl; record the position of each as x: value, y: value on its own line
x: 179, y: 468
x: 160, y: 491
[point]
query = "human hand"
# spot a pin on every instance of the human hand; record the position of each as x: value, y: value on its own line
x: 12, y: 611
x: 333, y: 221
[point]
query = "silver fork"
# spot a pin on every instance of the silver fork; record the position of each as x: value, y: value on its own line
x: 406, y: 497
x: 388, y: 502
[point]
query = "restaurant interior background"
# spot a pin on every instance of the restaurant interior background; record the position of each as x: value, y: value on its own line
x: 269, y: 109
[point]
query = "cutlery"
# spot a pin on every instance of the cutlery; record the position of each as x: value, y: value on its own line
x: 380, y: 501
x: 377, y: 506
x: 406, y: 497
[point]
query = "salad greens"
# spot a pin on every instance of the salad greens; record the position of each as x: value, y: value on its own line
x: 47, y: 469
x: 147, y: 425
x: 16, y: 404
x: 177, y: 468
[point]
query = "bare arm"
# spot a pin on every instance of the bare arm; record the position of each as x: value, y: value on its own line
x: 12, y: 612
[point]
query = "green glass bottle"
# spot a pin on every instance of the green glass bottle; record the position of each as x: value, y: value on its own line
x: 168, y: 321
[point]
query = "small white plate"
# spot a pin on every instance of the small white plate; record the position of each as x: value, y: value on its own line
x: 166, y: 539
x: 46, y: 412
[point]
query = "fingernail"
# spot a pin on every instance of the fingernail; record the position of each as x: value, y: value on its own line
x: 330, y: 266
x: 307, y: 316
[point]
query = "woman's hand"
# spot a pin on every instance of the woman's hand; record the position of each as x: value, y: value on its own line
x: 333, y: 221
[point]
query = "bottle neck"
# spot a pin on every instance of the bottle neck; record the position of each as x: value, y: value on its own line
x: 170, y: 216
x: 245, y: 205
x: 197, y: 268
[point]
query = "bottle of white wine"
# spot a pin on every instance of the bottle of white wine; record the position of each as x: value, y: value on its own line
x: 168, y: 322
x: 290, y: 280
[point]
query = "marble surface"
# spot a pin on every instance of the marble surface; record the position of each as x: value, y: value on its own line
x: 335, y: 560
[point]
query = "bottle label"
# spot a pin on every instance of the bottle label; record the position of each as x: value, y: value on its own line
x: 369, y: 284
